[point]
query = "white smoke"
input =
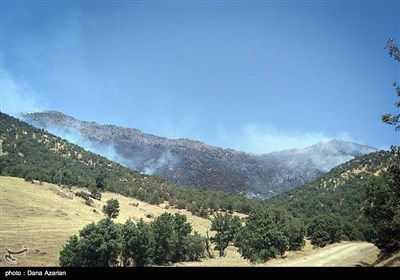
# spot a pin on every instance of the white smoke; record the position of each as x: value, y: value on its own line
x: 17, y: 96
x: 262, y: 139
x: 334, y: 153
x: 73, y: 135
x: 166, y: 160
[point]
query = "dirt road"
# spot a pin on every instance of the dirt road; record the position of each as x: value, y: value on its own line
x: 339, y: 254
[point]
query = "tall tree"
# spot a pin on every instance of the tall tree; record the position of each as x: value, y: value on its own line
x: 165, y: 238
x: 383, y: 194
x: 226, y: 227
x: 137, y: 244
x: 262, y: 237
x: 182, y: 229
x: 99, y: 246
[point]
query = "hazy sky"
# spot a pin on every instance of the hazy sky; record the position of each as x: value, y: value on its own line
x: 256, y: 76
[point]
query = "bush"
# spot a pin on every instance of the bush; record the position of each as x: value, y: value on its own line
x: 111, y: 209
x: 98, y: 246
x: 261, y: 238
x: 325, y: 229
x: 194, y: 247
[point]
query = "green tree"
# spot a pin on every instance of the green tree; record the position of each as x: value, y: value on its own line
x: 382, y: 210
x: 261, y: 238
x: 194, y: 247
x: 137, y: 244
x: 383, y: 193
x: 99, y: 246
x: 182, y: 229
x: 226, y: 227
x: 325, y: 229
x: 389, y: 118
x: 101, y: 181
x: 111, y: 209
x: 165, y: 238
x: 295, y: 231
x: 172, y: 240
x: 70, y: 253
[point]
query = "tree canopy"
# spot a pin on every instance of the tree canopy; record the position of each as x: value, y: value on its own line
x: 383, y: 193
x: 226, y: 227
x: 111, y: 209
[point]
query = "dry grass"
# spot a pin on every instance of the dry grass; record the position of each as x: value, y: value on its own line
x: 37, y: 216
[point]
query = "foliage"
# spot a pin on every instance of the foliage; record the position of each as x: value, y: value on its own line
x: 70, y: 255
x: 111, y: 209
x: 389, y: 118
x: 166, y: 240
x: 339, y: 192
x: 383, y: 210
x: 194, y: 247
x: 265, y: 234
x: 226, y: 227
x: 324, y: 230
x: 383, y: 193
x: 137, y: 244
x: 172, y: 240
x: 100, y: 181
x: 292, y: 228
x: 98, y: 246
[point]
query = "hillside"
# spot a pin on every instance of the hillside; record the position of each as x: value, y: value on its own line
x: 193, y: 163
x: 31, y: 153
x: 44, y: 216
x: 340, y: 191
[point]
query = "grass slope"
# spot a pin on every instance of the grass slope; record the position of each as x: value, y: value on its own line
x: 38, y: 216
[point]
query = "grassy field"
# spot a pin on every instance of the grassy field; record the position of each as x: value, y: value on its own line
x: 43, y: 217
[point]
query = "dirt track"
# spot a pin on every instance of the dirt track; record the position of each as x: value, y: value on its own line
x: 340, y: 254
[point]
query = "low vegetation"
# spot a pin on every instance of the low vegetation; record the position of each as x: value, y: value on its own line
x: 166, y: 240
x: 269, y: 233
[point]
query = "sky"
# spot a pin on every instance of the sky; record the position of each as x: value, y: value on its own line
x: 255, y: 76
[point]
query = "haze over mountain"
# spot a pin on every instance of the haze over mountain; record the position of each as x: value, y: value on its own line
x: 188, y: 162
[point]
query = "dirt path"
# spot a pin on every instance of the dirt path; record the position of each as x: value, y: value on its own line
x: 340, y: 254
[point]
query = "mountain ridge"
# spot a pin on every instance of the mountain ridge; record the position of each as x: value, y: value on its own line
x: 194, y: 163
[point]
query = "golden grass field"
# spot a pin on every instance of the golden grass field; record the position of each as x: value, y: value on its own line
x: 40, y: 217
x: 37, y: 216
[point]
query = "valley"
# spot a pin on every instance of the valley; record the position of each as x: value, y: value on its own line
x: 44, y: 215
x: 40, y: 217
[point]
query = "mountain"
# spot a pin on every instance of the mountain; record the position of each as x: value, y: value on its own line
x: 33, y: 154
x: 340, y: 191
x: 193, y: 163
